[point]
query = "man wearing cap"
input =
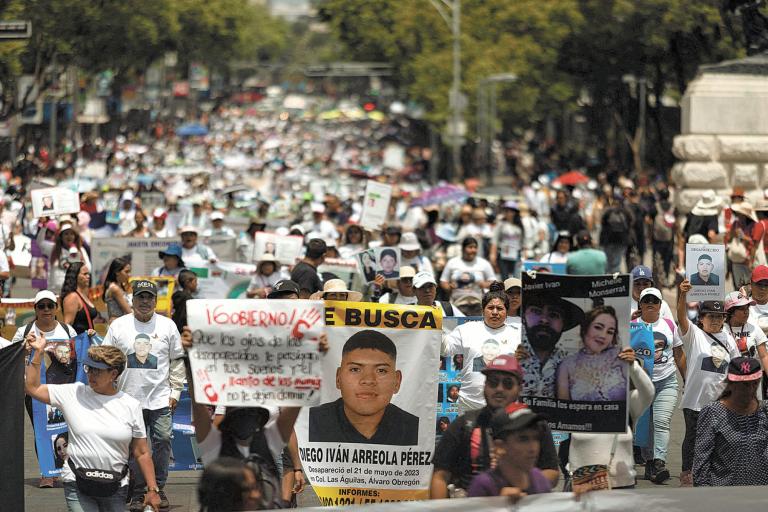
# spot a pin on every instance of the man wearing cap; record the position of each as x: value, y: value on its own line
x: 404, y: 293
x: 284, y: 289
x: 319, y: 226
x: 153, y: 342
x: 193, y: 252
x: 642, y: 278
x: 545, y: 317
x: 219, y: 229
x: 705, y: 276
x: 586, y: 261
x: 305, y: 272
x: 425, y: 290
x: 466, y: 449
x: 410, y: 253
x: 172, y: 262
x: 160, y: 226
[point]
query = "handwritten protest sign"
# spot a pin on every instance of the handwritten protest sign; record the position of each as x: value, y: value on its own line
x: 375, y: 205
x: 705, y: 268
x: 583, y: 385
x: 383, y: 359
x: 54, y: 201
x: 256, y: 352
x: 286, y: 249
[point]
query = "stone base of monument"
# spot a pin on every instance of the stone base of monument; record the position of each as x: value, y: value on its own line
x: 724, y: 132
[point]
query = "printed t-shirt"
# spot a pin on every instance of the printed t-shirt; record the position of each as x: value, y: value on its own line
x: 470, y: 339
x: 665, y: 338
x: 101, y: 427
x: 748, y: 336
x: 707, y: 363
x: 509, y: 239
x: 146, y: 378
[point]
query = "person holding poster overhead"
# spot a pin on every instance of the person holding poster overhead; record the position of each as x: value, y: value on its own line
x: 478, y: 341
x: 708, y: 349
x: 669, y: 356
x: 367, y: 378
x: 59, y: 258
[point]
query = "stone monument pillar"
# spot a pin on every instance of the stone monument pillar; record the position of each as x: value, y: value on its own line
x: 724, y: 133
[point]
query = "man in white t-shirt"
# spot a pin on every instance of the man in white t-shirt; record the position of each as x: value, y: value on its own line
x: 404, y: 293
x: 156, y: 385
x: 192, y: 251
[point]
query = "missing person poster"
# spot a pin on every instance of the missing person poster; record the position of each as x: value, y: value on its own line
x: 388, y: 262
x: 705, y: 268
x: 286, y: 249
x: 54, y: 201
x: 256, y: 352
x: 38, y: 267
x: 375, y: 205
x: 59, y: 366
x: 371, y: 438
x: 573, y: 330
x: 366, y: 261
x: 143, y: 253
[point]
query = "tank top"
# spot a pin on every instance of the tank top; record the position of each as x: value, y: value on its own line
x: 80, y: 324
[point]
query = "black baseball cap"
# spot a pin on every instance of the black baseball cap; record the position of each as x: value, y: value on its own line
x: 283, y: 287
x: 514, y: 417
x: 144, y: 286
x: 742, y: 369
x: 712, y: 306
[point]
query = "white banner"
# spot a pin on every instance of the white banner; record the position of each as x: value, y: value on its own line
x: 705, y: 268
x: 223, y: 279
x: 384, y: 360
x: 143, y: 253
x: 375, y: 204
x: 54, y: 201
x: 256, y: 352
x: 285, y: 249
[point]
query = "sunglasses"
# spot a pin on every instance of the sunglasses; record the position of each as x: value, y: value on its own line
x: 650, y: 300
x: 95, y: 371
x: 45, y: 305
x: 494, y: 381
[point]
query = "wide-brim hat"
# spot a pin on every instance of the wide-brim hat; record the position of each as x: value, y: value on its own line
x: 745, y: 209
x: 572, y: 314
x: 409, y: 242
x: 266, y: 258
x: 337, y: 286
x: 709, y: 204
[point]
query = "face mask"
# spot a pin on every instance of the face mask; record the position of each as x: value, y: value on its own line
x: 543, y: 337
x: 692, y: 314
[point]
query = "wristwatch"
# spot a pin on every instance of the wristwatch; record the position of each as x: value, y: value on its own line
x: 153, y: 489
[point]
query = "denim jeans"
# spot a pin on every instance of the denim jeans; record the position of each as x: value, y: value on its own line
x: 614, y: 254
x: 691, y: 418
x: 79, y: 502
x: 662, y: 408
x: 159, y: 427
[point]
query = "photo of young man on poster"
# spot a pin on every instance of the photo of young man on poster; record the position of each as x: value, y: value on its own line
x: 367, y: 378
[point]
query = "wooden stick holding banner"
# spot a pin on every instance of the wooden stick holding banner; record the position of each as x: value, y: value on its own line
x: 256, y: 352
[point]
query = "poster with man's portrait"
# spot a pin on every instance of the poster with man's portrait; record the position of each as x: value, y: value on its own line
x: 705, y: 268
x: 377, y: 410
x: 574, y: 329
x: 388, y: 262
x: 54, y: 201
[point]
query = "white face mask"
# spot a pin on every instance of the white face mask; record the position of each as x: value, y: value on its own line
x: 692, y: 314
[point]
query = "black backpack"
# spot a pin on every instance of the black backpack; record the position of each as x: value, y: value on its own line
x: 616, y: 226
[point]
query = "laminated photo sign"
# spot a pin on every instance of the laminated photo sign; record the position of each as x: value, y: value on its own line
x: 54, y: 201
x: 382, y: 364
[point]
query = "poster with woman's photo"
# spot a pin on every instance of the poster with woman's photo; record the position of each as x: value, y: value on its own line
x: 705, y: 268
x: 38, y: 267
x: 366, y: 261
x: 574, y: 328
x: 59, y: 366
x: 371, y: 438
x: 388, y: 262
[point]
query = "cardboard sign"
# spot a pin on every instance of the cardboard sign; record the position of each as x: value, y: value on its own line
x: 54, y: 201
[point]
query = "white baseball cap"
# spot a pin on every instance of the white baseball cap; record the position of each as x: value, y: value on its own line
x: 422, y: 278
x: 45, y: 294
x: 409, y: 242
x: 651, y: 291
x: 217, y: 216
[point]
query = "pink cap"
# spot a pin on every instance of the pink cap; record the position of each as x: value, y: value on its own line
x: 504, y: 363
x: 736, y: 299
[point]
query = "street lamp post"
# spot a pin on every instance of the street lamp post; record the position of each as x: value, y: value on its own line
x: 486, y: 118
x: 450, y: 11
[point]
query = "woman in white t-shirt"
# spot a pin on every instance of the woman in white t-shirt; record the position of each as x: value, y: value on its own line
x: 106, y: 426
x: 709, y: 349
x: 479, y: 343
x: 668, y: 354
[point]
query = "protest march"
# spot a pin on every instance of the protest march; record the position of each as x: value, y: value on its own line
x: 286, y: 308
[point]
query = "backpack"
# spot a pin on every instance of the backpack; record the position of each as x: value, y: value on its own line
x: 616, y: 226
x: 662, y: 228
x: 447, y: 307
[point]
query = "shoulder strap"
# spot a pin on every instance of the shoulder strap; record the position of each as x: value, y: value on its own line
x: 392, y: 297
x: 85, y: 307
x: 717, y: 341
x: 27, y: 329
x: 671, y: 325
x: 448, y: 307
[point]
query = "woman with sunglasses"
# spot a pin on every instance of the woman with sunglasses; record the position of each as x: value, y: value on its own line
x: 106, y: 426
x: 45, y: 323
x: 668, y: 354
x: 709, y: 348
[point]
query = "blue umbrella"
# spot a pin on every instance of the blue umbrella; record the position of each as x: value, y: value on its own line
x: 192, y: 130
